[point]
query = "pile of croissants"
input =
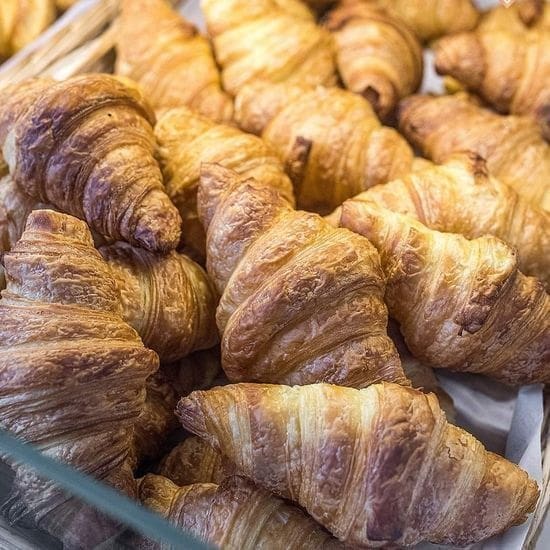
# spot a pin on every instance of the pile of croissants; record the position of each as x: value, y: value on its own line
x: 228, y: 273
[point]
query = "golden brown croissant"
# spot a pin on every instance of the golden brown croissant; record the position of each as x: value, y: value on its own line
x: 378, y: 56
x: 461, y: 197
x: 431, y: 19
x: 376, y: 466
x: 518, y: 17
x: 509, y: 70
x: 21, y: 21
x: 332, y: 143
x: 168, y: 300
x: 186, y: 140
x: 301, y: 301
x: 514, y: 149
x: 86, y: 146
x: 270, y: 40
x: 73, y: 372
x: 462, y: 305
x: 194, y: 461
x: 172, y: 62
x: 233, y: 515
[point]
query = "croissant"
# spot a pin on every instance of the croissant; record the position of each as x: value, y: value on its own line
x: 461, y: 197
x: 68, y: 362
x: 376, y: 466
x: 172, y: 62
x: 194, y: 461
x: 514, y: 149
x: 511, y: 71
x: 168, y: 300
x: 186, y: 140
x: 65, y: 4
x: 86, y: 146
x: 462, y: 305
x: 301, y: 301
x: 332, y: 143
x: 378, y: 56
x: 517, y: 17
x: 234, y: 514
x: 21, y: 21
x: 270, y: 40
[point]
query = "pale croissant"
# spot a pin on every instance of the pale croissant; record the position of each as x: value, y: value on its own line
x: 172, y: 62
x: 301, y: 301
x: 511, y: 71
x: 518, y: 17
x: 332, y: 143
x: 378, y: 56
x: 462, y: 197
x: 515, y: 151
x: 269, y: 40
x: 186, y: 140
x: 73, y: 372
x: 86, y: 146
x: 377, y: 466
x: 462, y: 305
x: 233, y: 515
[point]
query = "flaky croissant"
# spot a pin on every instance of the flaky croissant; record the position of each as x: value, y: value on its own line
x: 301, y: 301
x: 378, y: 466
x: 186, y: 140
x: 514, y: 149
x: 233, y: 515
x: 462, y: 305
x: 332, y: 143
x: 73, y: 372
x: 461, y: 197
x: 378, y: 56
x: 21, y: 21
x: 509, y: 70
x: 168, y: 299
x: 270, y: 40
x: 517, y: 17
x: 86, y: 146
x: 172, y: 62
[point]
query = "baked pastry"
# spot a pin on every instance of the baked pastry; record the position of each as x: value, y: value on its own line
x: 21, y: 21
x: 517, y: 17
x: 65, y: 4
x: 378, y: 56
x: 301, y: 301
x: 186, y: 140
x: 462, y: 305
x: 377, y: 466
x: 86, y: 146
x: 330, y: 140
x: 514, y: 149
x: 172, y: 62
x: 234, y: 514
x: 460, y: 196
x: 68, y: 363
x: 168, y: 299
x: 509, y: 70
x: 270, y: 40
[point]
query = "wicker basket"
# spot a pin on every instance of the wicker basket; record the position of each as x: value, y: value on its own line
x: 82, y: 40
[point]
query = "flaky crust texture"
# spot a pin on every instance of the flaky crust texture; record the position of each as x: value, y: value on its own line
x: 461, y: 197
x: 172, y: 62
x: 234, y: 514
x: 509, y: 70
x: 270, y: 40
x: 168, y: 299
x: 186, y: 140
x: 378, y: 466
x: 21, y: 21
x: 330, y: 140
x: 514, y: 148
x: 301, y: 301
x: 378, y: 56
x: 86, y: 146
x: 68, y: 363
x: 461, y: 304
x: 431, y: 19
